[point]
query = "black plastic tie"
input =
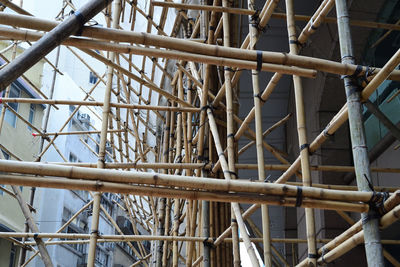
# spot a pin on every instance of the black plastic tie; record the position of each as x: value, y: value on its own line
x: 81, y: 19
x: 259, y: 97
x: 259, y: 60
x: 304, y: 146
x: 208, y: 243
x: 229, y: 69
x: 231, y: 135
x: 299, y: 196
x: 326, y: 134
x: 312, y: 256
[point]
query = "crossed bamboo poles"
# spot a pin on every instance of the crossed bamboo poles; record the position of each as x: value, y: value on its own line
x: 143, y: 80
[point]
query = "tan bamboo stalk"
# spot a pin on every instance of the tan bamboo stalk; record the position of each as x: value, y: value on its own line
x: 213, y: 8
x: 315, y: 21
x: 178, y: 158
x: 178, y: 181
x: 302, y: 135
x: 253, y: 32
x: 77, y: 132
x: 157, y: 246
x: 230, y: 131
x: 103, y: 139
x: 265, y: 133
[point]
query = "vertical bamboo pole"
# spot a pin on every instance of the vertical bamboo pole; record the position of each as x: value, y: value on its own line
x: 158, y: 245
x: 372, y: 241
x: 253, y: 31
x: 102, y: 148
x: 230, y: 132
x: 302, y: 135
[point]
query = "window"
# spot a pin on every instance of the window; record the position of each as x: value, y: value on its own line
x: 31, y: 115
x: 10, y: 117
x: 77, y: 226
x: 72, y: 158
x: 7, y: 157
x: 92, y: 78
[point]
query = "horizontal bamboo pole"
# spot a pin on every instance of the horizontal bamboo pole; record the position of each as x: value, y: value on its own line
x: 76, y: 132
x: 159, y: 179
x: 96, y: 103
x: 241, y: 166
x: 100, y: 186
x: 276, y: 15
x: 178, y: 55
x: 239, y: 11
x: 184, y: 46
x: 130, y: 238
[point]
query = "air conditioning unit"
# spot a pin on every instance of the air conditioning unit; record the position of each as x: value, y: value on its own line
x: 84, y: 118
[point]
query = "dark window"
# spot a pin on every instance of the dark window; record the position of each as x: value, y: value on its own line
x: 10, y: 117
x: 92, y: 78
x: 31, y: 115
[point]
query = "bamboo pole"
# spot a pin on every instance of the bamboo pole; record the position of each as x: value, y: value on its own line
x: 302, y: 135
x: 178, y: 181
x: 373, y: 247
x: 253, y: 32
x: 230, y: 132
x: 182, y: 45
x: 102, y: 147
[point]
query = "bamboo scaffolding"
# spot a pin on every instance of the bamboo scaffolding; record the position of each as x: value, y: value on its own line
x: 178, y: 197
